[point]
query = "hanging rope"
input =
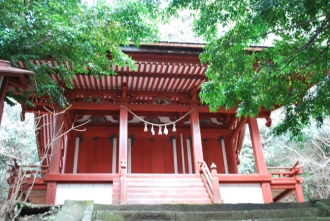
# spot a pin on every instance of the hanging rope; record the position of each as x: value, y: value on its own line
x: 146, y: 123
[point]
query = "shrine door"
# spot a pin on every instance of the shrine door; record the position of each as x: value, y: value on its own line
x: 95, y: 155
x: 212, y: 153
x: 152, y: 156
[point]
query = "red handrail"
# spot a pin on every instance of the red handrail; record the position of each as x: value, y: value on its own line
x: 285, y: 172
x: 211, y: 181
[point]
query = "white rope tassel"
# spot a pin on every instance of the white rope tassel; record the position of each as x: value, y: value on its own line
x: 174, y: 128
x: 146, y: 123
x: 165, y: 130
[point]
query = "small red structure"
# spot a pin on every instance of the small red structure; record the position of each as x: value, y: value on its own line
x: 14, y: 79
x: 147, y: 139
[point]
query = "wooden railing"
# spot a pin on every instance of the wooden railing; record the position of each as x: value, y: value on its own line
x: 285, y: 172
x: 25, y: 172
x: 210, y: 180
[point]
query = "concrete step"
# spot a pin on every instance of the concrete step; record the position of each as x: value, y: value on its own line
x: 277, y: 214
x: 209, y: 207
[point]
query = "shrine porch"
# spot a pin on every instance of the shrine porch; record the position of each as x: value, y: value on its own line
x: 163, y: 188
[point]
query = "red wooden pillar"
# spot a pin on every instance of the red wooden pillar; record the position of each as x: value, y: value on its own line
x: 266, y: 192
x: 257, y: 147
x: 3, y: 89
x: 55, y: 160
x: 123, y: 135
x: 196, y: 138
x: 231, y: 157
x: 298, y: 190
x: 299, y: 193
x: 259, y: 158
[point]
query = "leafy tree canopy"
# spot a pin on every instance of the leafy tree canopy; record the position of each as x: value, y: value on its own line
x: 70, y: 31
x: 281, y: 74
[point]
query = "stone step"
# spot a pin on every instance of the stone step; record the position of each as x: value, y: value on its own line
x: 285, y: 219
x: 262, y: 215
x: 203, y: 208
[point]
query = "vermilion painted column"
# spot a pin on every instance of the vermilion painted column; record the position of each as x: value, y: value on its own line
x: 257, y: 147
x: 3, y: 89
x: 55, y: 160
x: 259, y: 158
x: 231, y: 157
x: 123, y: 135
x: 196, y: 138
x: 298, y: 190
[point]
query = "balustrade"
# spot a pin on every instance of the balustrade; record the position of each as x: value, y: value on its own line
x: 210, y: 180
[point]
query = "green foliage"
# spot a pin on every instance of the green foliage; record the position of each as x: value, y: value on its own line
x: 76, y: 37
x: 280, y: 75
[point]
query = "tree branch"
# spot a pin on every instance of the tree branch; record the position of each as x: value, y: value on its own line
x: 283, y: 29
x: 38, y: 43
x: 307, y: 44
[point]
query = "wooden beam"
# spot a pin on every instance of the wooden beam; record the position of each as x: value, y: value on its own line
x: 145, y: 107
x: 282, y: 195
x: 36, y: 109
x: 283, y: 186
x: 183, y: 58
x: 284, y: 181
x: 238, y: 128
x: 244, y: 178
x: 162, y: 75
x: 93, y: 177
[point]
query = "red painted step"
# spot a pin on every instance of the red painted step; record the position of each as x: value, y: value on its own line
x: 166, y: 189
x: 162, y: 189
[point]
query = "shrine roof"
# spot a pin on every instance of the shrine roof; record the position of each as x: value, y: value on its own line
x: 159, y: 67
x: 169, y: 69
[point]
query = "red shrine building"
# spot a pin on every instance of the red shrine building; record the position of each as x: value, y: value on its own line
x: 144, y: 137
